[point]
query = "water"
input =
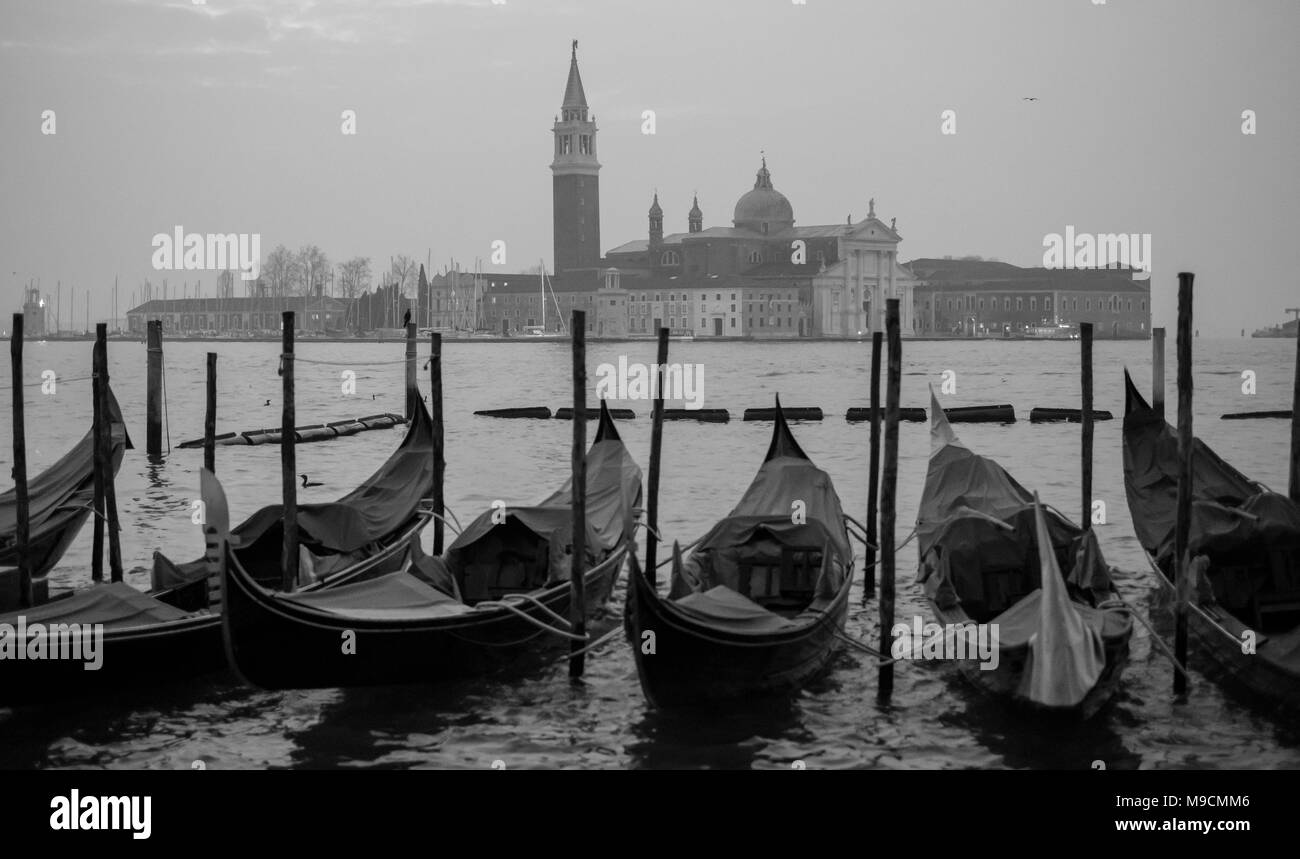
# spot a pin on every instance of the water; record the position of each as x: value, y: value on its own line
x: 934, y: 720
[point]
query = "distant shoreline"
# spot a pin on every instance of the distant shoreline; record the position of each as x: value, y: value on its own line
x: 499, y: 339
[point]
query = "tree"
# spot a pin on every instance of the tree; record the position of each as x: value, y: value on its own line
x: 278, y: 271
x: 354, y: 276
x: 311, y: 269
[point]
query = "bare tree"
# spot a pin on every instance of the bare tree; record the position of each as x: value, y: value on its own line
x: 354, y: 277
x: 278, y: 271
x: 404, y: 269
x: 311, y: 270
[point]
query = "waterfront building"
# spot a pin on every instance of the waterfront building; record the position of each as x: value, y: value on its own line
x: 238, y: 316
x: 975, y: 297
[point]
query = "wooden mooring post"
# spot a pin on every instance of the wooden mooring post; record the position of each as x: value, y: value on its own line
x: 288, y: 459
x: 656, y: 448
x: 22, y: 534
x: 888, y: 497
x: 873, y: 477
x: 577, y: 566
x: 1183, y: 517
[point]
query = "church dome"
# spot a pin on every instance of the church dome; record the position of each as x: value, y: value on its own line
x: 764, y: 205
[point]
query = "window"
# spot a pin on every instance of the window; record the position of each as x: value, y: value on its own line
x: 1076, y: 304
x: 733, y: 307
x: 981, y: 305
x: 1087, y: 304
x: 611, y: 302
x: 733, y: 322
x: 1142, y: 305
x: 717, y: 297
x: 669, y: 258
x: 1006, y: 304
x: 755, y: 257
x: 1033, y: 302
x: 1047, y: 304
x: 584, y: 144
x: 1020, y: 303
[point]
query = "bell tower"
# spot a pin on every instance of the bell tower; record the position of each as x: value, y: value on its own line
x: 575, y: 179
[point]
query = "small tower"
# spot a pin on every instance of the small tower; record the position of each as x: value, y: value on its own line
x: 656, y: 222
x: 655, y: 248
x: 575, y: 182
x: 33, y: 313
x: 695, y: 219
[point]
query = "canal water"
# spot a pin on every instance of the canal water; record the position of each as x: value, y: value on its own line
x: 543, y: 720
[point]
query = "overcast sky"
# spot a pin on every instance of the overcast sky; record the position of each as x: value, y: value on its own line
x: 225, y: 117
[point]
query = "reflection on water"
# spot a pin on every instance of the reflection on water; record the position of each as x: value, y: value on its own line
x: 540, y: 718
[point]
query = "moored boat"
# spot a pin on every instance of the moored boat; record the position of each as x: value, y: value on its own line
x: 1243, y: 606
x: 499, y: 594
x: 991, y: 556
x: 759, y: 605
x: 173, y: 633
x: 59, y: 500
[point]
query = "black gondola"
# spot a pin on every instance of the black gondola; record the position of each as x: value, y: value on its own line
x: 758, y: 606
x: 1244, y: 604
x: 59, y: 500
x: 990, y: 562
x: 173, y: 633
x: 502, y: 586
x: 364, y: 534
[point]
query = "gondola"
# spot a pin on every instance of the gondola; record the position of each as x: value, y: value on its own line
x: 364, y: 534
x: 1244, y: 603
x: 59, y: 500
x: 499, y: 592
x: 173, y: 632
x: 985, y: 545
x: 758, y: 606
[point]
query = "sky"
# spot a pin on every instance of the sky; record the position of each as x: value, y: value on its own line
x: 226, y: 116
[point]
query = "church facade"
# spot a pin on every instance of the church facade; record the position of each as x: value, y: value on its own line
x: 761, y: 276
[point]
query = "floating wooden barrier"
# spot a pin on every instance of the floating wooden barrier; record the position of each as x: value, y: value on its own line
x: 1246, y: 416
x: 1002, y: 414
x: 526, y: 412
x: 793, y: 414
x: 566, y: 414
x: 305, y: 434
x: 859, y: 414
x: 714, y: 416
x: 1044, y: 415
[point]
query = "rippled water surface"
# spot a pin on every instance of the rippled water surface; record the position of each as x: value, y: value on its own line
x: 543, y: 720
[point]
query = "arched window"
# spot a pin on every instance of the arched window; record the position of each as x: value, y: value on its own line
x: 755, y: 257
x: 669, y: 258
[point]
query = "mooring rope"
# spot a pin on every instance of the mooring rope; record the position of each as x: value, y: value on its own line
x: 534, y: 621
x: 1160, y: 577
x: 525, y: 598
x: 300, y: 360
x: 1164, y: 648
x: 58, y: 381
x: 597, y: 643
